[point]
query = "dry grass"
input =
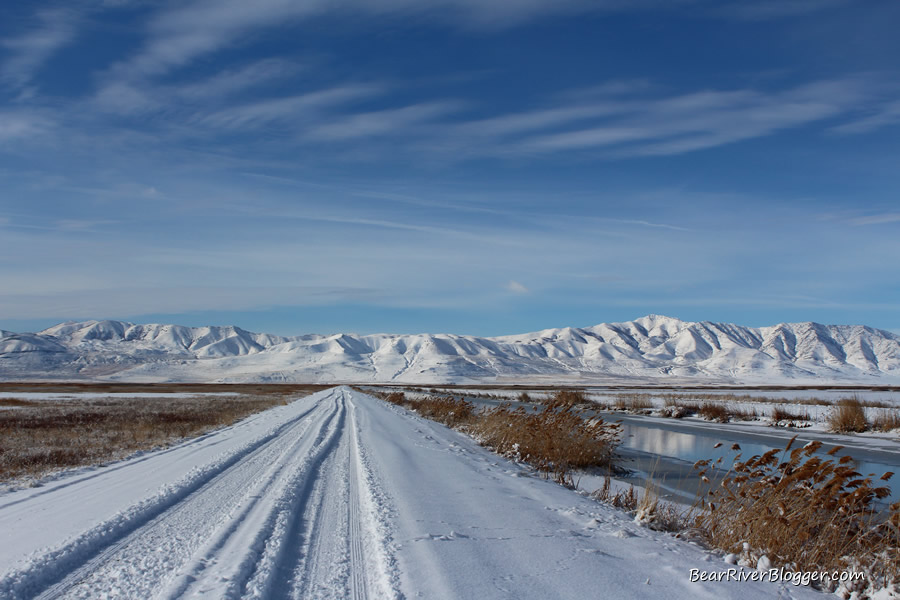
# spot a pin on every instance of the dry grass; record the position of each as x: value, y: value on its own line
x: 676, y: 412
x: 633, y: 402
x: 41, y: 437
x: 783, y: 416
x: 677, y: 409
x: 711, y: 411
x: 565, y: 399
x: 555, y: 440
x: 647, y: 507
x: 714, y: 412
x: 848, y: 416
x: 886, y: 420
x: 871, y: 403
x: 447, y: 410
x: 805, y: 512
x: 625, y: 500
x: 16, y: 403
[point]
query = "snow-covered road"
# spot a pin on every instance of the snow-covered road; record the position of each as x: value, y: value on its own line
x: 337, y: 495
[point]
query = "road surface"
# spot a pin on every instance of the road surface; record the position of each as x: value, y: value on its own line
x: 337, y: 495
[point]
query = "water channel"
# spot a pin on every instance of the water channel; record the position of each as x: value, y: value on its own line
x: 667, y: 449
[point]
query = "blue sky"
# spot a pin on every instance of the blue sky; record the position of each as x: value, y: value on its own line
x: 467, y: 166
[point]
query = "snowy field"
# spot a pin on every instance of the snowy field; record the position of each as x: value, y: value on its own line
x: 337, y: 495
x: 53, y: 396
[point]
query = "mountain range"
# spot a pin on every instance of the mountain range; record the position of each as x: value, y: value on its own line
x: 651, y: 349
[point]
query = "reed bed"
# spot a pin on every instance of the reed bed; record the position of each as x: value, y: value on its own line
x: 782, y: 416
x: 555, y: 440
x: 886, y: 420
x: 804, y: 512
x: 634, y: 402
x: 848, y: 416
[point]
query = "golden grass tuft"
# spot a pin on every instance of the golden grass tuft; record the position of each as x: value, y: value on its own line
x: 848, y: 416
x: 633, y: 402
x: 647, y: 507
x: 447, y: 410
x: 554, y: 441
x: 782, y: 415
x: 565, y: 399
x: 714, y: 412
x: 886, y: 420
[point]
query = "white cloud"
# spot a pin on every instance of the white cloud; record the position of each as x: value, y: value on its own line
x: 877, y: 219
x: 759, y: 10
x: 20, y: 124
x: 630, y: 126
x: 242, y: 78
x: 396, y: 120
x: 516, y: 287
x: 125, y: 98
x: 256, y: 114
x: 134, y: 97
x: 883, y: 116
x: 190, y: 30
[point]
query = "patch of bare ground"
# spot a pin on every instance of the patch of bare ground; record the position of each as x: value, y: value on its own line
x: 40, y: 437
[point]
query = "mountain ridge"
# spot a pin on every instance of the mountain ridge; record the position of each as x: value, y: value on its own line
x: 653, y: 347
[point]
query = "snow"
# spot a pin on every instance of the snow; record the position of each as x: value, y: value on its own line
x: 647, y: 349
x: 337, y: 495
x: 98, y: 395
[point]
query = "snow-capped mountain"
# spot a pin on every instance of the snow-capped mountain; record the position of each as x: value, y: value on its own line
x: 651, y: 347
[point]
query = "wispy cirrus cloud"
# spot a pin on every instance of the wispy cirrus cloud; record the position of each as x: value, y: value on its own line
x: 54, y: 28
x: 396, y: 120
x: 885, y: 115
x: 641, y: 126
x: 760, y: 10
x: 879, y: 219
x: 263, y: 112
x: 179, y: 35
x: 126, y: 97
x: 21, y: 124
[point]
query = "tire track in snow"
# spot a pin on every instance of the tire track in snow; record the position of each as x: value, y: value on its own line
x: 274, y: 572
x: 358, y: 586
x: 331, y: 543
x: 297, y: 513
x: 321, y: 565
x: 146, y: 559
x: 375, y: 561
x: 59, y: 570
